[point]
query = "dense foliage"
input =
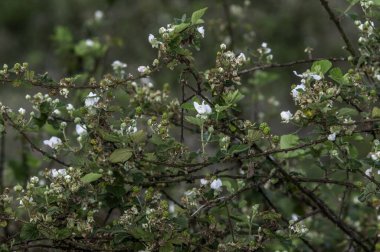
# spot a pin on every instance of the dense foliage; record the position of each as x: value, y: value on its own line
x: 127, y: 166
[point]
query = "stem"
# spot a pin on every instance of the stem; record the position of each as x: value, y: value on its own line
x: 203, y: 144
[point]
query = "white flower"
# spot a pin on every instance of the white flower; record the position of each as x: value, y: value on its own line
x: 241, y: 58
x: 69, y: 107
x: 21, y: 111
x: 117, y: 64
x: 375, y: 155
x: 315, y: 76
x: 299, y: 75
x: 56, y: 112
x: 89, y: 42
x: 64, y: 92
x: 161, y: 30
x: 201, y: 30
x: 286, y: 116
x: 34, y: 180
x: 202, y: 109
x: 264, y: 45
x: 295, y: 91
x: 142, y: 69
x: 132, y: 129
x: 98, y: 15
x: 331, y: 137
x: 368, y: 171
x: 151, y: 38
x: 55, y: 173
x: 204, y: 181
x: 308, y: 75
x: 223, y: 46
x: 53, y: 142
x: 91, y: 100
x: 67, y: 178
x: 81, y: 129
x: 216, y: 184
x: 171, y: 207
x: 30, y: 200
x: 153, y: 41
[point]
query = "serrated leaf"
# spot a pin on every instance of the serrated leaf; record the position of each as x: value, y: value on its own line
x: 91, y: 177
x: 348, y: 112
x: 219, y: 108
x: 197, y: 15
x: 369, y: 190
x: 321, y: 66
x: 288, y: 141
x: 180, y: 27
x: 238, y: 148
x: 120, y: 156
x: 194, y: 120
x: 337, y: 75
x: 138, y: 137
x: 29, y: 232
x: 375, y: 112
x: 188, y: 106
x: 108, y: 136
x: 253, y: 135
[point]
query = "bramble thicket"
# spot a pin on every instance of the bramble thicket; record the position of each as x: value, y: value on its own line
x: 120, y: 164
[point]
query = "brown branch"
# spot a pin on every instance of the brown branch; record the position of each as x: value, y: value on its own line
x: 230, y: 223
x: 2, y: 158
x: 338, y: 25
x: 33, y: 145
x: 288, y: 64
x: 271, y: 205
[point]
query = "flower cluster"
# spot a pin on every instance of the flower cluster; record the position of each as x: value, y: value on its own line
x: 226, y: 70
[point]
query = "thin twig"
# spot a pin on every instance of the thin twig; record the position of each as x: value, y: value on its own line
x: 338, y: 25
x: 288, y: 64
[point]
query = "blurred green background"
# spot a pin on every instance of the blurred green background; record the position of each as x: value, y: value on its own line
x: 27, y: 28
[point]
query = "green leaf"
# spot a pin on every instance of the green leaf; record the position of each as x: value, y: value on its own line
x: 348, y: 112
x: 62, y: 234
x: 337, y: 75
x: 369, y: 190
x: 219, y: 108
x: 29, y: 232
x: 179, y: 28
x: 188, y: 106
x: 168, y: 247
x: 194, y: 120
x: 288, y: 141
x: 376, y: 112
x: 197, y: 15
x: 138, y: 137
x: 321, y: 66
x: 238, y: 148
x: 120, y: 156
x: 253, y: 135
x: 233, y: 97
x: 108, y: 136
x: 91, y: 177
